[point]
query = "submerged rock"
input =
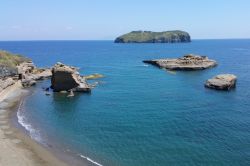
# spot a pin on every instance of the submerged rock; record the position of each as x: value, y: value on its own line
x: 71, y: 94
x: 47, y: 94
x: 93, y: 76
x: 28, y: 82
x: 222, y: 82
x: 187, y: 62
x: 66, y: 78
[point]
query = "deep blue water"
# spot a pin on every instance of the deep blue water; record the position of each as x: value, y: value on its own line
x: 140, y: 115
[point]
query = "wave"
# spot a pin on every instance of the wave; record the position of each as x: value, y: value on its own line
x: 90, y: 160
x: 144, y: 65
x: 34, y: 134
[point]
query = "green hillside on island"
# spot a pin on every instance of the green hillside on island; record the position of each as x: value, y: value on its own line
x: 154, y: 37
x: 9, y: 61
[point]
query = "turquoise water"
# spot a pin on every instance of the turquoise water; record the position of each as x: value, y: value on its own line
x: 140, y: 115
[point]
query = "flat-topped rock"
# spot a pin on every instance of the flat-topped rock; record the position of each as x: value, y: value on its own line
x: 187, y: 62
x: 222, y: 82
x: 67, y: 78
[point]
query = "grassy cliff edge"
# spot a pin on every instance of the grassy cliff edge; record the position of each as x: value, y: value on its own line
x: 9, y: 63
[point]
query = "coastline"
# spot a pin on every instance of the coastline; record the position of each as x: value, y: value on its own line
x: 17, y: 148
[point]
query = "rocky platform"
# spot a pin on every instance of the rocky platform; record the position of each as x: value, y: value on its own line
x: 222, y: 82
x: 187, y: 62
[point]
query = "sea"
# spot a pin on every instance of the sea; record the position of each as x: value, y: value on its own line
x: 138, y: 114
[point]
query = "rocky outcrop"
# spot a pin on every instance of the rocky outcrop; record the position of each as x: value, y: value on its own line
x: 8, y: 63
x: 154, y: 37
x: 5, y: 83
x: 222, y: 82
x: 6, y: 71
x: 64, y: 78
x: 187, y: 62
x: 41, y: 73
x: 29, y: 74
x: 67, y: 78
x: 14, y: 67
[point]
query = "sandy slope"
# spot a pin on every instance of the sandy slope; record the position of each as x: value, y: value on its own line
x: 17, y: 149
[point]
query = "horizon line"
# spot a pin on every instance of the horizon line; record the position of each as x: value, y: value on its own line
x: 23, y: 40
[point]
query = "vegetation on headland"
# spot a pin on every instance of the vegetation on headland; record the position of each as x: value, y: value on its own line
x: 154, y: 37
x: 9, y: 61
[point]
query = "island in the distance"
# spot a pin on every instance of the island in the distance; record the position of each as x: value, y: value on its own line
x: 154, y: 37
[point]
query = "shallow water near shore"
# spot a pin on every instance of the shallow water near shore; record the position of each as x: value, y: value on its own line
x: 139, y: 114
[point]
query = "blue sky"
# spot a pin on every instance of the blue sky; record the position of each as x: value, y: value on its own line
x: 106, y: 19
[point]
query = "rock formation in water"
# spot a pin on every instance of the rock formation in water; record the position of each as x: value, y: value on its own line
x: 154, y: 37
x: 16, y: 68
x: 93, y: 76
x: 66, y: 78
x: 187, y: 62
x: 222, y: 82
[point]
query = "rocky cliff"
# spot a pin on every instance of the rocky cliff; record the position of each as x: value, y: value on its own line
x: 154, y: 37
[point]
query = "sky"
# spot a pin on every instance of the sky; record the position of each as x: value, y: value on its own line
x: 107, y: 19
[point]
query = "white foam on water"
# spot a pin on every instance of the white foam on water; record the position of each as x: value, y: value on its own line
x: 144, y: 65
x: 90, y: 160
x: 34, y: 134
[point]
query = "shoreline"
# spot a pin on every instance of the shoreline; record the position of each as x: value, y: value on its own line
x: 17, y: 148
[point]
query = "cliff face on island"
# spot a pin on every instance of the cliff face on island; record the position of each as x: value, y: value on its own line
x: 154, y: 37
